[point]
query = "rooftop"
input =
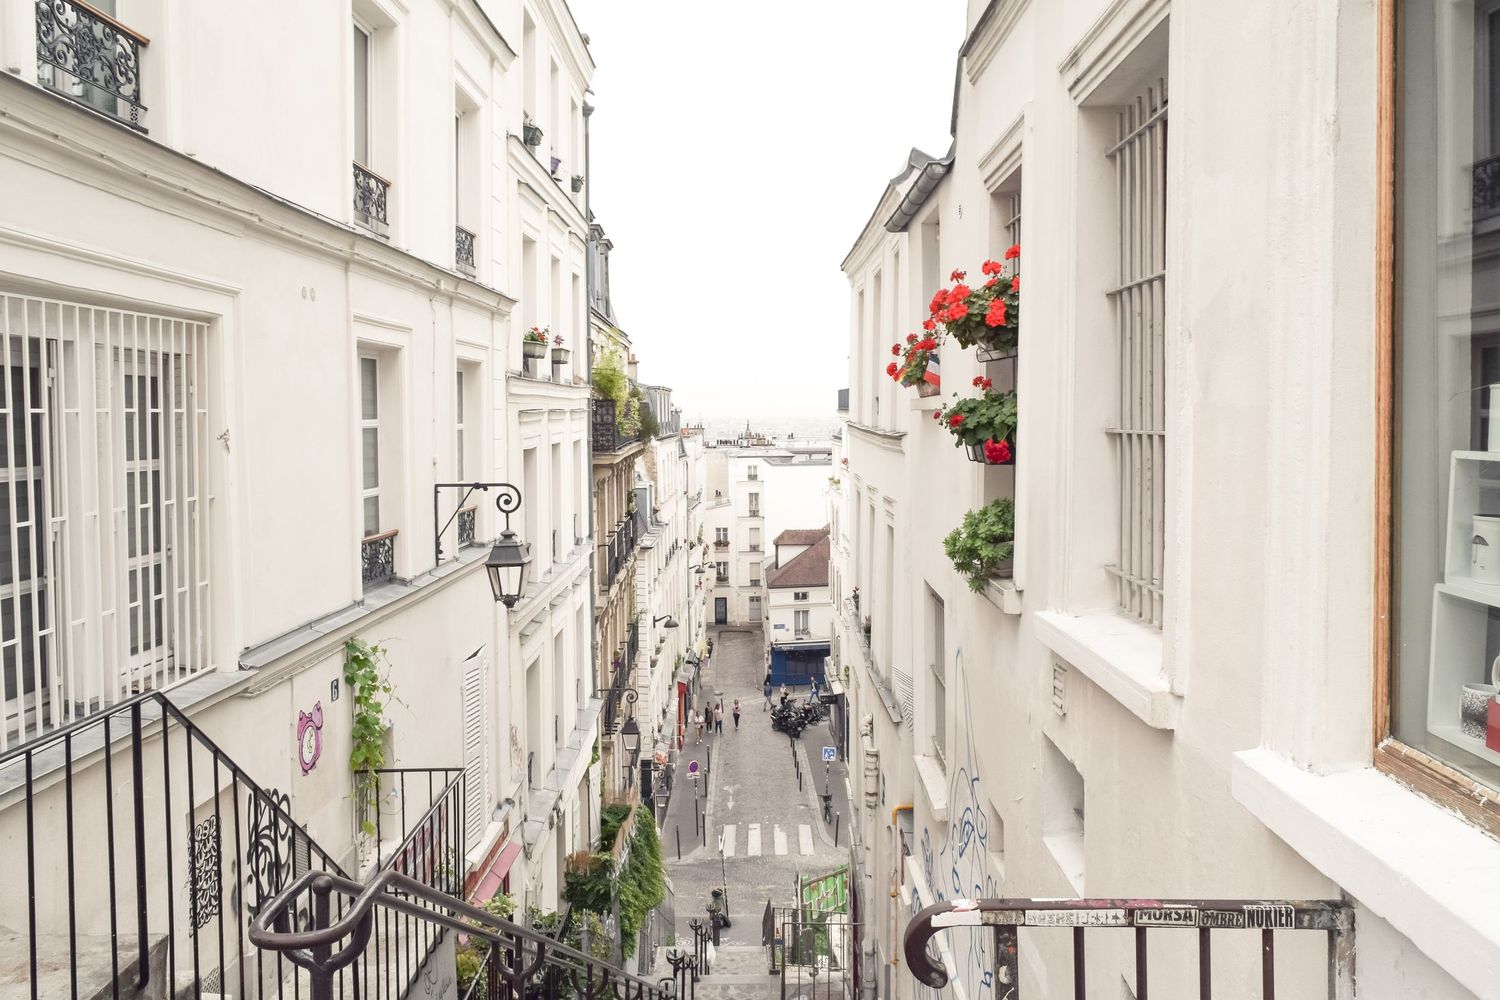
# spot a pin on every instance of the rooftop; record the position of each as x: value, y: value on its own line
x: 810, y: 569
x: 801, y: 536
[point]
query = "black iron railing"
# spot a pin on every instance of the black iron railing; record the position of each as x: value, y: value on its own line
x: 463, y: 249
x: 377, y: 557
x: 90, y: 57
x: 1005, y: 918
x: 1486, y: 181
x: 843, y: 403
x: 605, y: 431
x: 132, y: 827
x: 370, y: 192
x: 466, y: 519
x: 516, y: 962
x: 616, y: 550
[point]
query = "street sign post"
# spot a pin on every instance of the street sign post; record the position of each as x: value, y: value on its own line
x: 829, y: 754
x: 693, y: 769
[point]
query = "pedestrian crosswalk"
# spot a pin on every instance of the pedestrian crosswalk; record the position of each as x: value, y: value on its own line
x: 779, y: 843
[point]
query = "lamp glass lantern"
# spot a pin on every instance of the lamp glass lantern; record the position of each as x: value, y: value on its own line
x: 630, y: 738
x: 506, y: 566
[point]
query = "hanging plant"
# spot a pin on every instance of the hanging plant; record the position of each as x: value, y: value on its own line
x: 367, y: 676
x: 985, y: 424
x: 918, y: 366
x: 984, y: 542
x: 989, y: 316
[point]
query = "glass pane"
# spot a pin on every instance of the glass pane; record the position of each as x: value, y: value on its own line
x: 361, y: 96
x: 143, y: 510
x: 1446, y: 641
x: 459, y: 396
x: 369, y: 389
x: 19, y: 567
x: 145, y: 608
x: 21, y: 657
x: 372, y: 516
x: 460, y: 454
x: 13, y: 443
x: 371, y: 447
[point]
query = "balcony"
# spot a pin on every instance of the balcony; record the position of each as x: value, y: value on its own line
x: 843, y: 403
x: 378, y: 557
x: 754, y: 547
x: 616, y: 552
x: 89, y: 57
x: 605, y: 429
x: 721, y: 578
x: 370, y: 193
x: 463, y: 251
x: 754, y: 512
x: 466, y: 519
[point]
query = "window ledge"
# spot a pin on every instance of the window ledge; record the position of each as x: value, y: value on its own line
x: 934, y: 781
x: 1003, y: 594
x: 1430, y: 875
x: 926, y: 404
x: 1067, y: 853
x: 1122, y: 657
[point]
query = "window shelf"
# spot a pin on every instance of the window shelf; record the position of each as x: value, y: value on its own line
x: 1122, y: 657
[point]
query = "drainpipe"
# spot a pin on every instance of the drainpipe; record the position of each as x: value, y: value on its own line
x: 588, y: 374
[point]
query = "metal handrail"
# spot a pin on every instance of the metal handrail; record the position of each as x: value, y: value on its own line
x: 528, y: 951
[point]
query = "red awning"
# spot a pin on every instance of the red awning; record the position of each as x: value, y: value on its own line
x: 490, y: 883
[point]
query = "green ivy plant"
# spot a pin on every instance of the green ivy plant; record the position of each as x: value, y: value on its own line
x: 639, y: 886
x: 984, y: 541
x: 367, y: 676
x: 609, y: 379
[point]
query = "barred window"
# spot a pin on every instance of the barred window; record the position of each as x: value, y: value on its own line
x: 104, y: 555
x: 1140, y: 159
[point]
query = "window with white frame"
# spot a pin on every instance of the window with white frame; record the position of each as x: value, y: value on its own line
x: 799, y: 595
x: 755, y: 608
x: 721, y: 574
x: 1139, y: 296
x: 753, y: 472
x: 721, y: 536
x: 754, y: 539
x: 369, y: 441
x: 459, y: 421
x: 937, y: 664
x: 104, y: 535
x: 755, y: 505
x: 800, y: 623
x: 755, y: 574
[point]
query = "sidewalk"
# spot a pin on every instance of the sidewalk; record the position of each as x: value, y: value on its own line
x: 831, y: 778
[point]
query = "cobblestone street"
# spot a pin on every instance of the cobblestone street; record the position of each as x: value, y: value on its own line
x: 771, y: 831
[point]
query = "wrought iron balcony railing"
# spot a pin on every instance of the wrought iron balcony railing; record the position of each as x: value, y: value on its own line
x: 90, y: 57
x: 616, y: 551
x: 370, y: 194
x: 605, y: 429
x: 1004, y: 918
x: 463, y: 250
x: 1486, y: 181
x: 377, y: 556
x: 466, y: 518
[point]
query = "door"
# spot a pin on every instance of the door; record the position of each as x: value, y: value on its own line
x: 721, y: 611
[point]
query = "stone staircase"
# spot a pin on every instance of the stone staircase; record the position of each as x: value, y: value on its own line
x: 739, y: 973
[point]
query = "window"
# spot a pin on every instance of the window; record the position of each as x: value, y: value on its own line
x: 458, y: 426
x: 361, y: 95
x: 800, y: 623
x: 1140, y: 160
x: 937, y: 662
x: 755, y: 608
x: 369, y: 435
x: 754, y: 539
x: 753, y: 473
x: 721, y: 536
x: 755, y: 505
x: 104, y: 555
x: 722, y: 572
x: 799, y: 595
x: 1445, y: 457
x: 755, y: 574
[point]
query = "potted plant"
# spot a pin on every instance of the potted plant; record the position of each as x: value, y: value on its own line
x: 559, y: 352
x: 531, y: 132
x: 988, y: 316
x: 553, y: 164
x: 534, y: 344
x: 982, y: 546
x: 985, y: 424
x: 577, y: 183
x: 854, y: 598
x: 918, y: 364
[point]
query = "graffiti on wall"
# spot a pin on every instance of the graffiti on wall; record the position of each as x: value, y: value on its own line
x: 955, y: 855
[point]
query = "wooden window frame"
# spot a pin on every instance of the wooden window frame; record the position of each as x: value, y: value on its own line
x: 1422, y: 773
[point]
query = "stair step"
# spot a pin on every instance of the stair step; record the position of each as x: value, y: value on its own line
x: 55, y: 974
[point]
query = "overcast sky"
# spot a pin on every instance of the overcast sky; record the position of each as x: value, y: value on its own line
x: 737, y: 150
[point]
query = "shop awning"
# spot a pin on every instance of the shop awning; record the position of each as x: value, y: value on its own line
x: 494, y: 876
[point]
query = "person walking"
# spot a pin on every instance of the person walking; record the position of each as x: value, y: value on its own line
x: 766, y: 690
x: 719, y: 718
x: 736, y: 715
x: 698, y: 721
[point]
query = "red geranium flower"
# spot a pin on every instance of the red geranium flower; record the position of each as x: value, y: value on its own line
x: 996, y: 314
x: 937, y: 414
x: 929, y: 325
x: 896, y: 349
x: 891, y: 369
x: 927, y: 344
x: 957, y: 312
x: 939, y: 300
x: 1013, y: 252
x: 911, y: 338
x: 996, y: 452
x: 955, y: 420
x: 980, y: 382
x: 959, y: 293
x: 957, y: 275
x: 1015, y: 283
x: 992, y: 267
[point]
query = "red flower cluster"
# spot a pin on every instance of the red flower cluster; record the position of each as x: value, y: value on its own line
x: 929, y: 324
x: 937, y: 414
x: 896, y: 350
x: 996, y: 314
x: 996, y: 452
x: 926, y: 344
x: 992, y: 267
x: 1013, y: 252
x: 939, y: 302
x: 911, y: 338
x: 893, y: 370
x: 957, y: 275
x: 955, y: 420
x: 980, y: 382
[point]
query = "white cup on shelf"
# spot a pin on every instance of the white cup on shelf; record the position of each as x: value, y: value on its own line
x: 1484, y: 559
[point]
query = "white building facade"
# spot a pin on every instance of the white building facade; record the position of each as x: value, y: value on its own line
x: 1181, y: 684
x: 258, y: 385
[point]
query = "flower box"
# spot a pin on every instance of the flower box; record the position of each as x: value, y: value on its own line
x: 531, y: 134
x: 532, y: 350
x: 977, y: 454
x: 560, y: 355
x: 577, y: 183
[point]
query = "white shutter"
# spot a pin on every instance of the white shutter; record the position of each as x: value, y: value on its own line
x: 476, y: 747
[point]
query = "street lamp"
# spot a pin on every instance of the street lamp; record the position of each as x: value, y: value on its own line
x: 699, y: 570
x: 630, y: 738
x: 509, y: 557
x: 670, y: 621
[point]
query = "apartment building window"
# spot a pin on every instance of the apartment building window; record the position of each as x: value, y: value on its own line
x: 937, y: 663
x: 801, y: 626
x: 104, y: 534
x: 459, y: 420
x: 753, y: 473
x: 721, y: 574
x: 755, y: 574
x: 754, y: 539
x: 755, y: 505
x: 1139, y: 297
x: 1442, y: 450
x: 799, y: 595
x: 369, y: 438
x: 370, y: 103
x: 106, y: 74
x: 721, y: 536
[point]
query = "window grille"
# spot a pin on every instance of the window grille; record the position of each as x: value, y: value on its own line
x: 104, y: 546
x: 1140, y: 159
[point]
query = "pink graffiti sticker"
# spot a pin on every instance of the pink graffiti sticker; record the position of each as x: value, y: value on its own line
x: 310, y: 737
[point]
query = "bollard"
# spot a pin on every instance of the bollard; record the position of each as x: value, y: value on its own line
x: 678, y: 830
x: 837, y: 821
x: 705, y: 830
